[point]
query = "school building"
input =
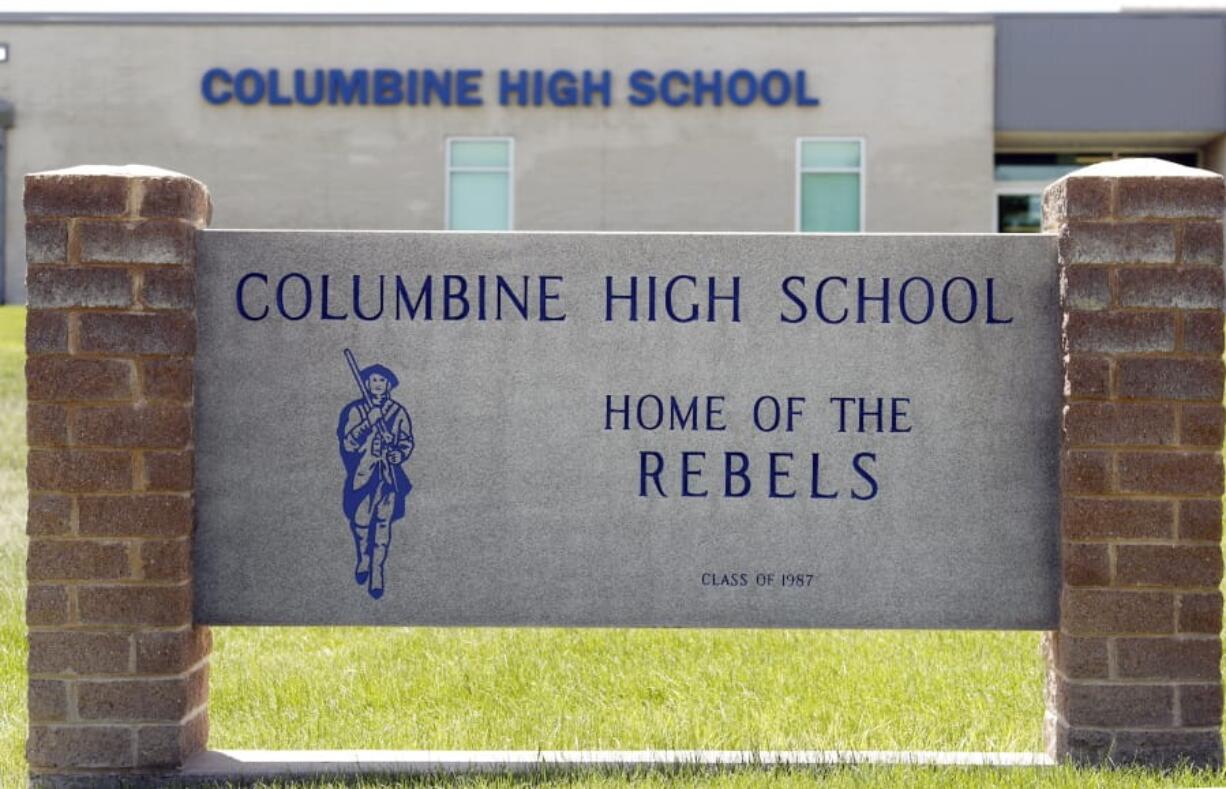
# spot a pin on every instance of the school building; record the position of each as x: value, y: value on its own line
x: 772, y: 123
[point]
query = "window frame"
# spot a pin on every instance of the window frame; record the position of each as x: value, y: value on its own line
x: 801, y: 170
x: 508, y: 170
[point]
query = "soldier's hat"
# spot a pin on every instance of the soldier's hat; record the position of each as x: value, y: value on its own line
x: 378, y: 369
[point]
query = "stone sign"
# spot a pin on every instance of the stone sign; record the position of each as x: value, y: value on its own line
x: 626, y: 430
x: 587, y: 429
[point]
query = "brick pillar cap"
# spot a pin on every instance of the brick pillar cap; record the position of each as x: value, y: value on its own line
x: 1140, y: 168
x: 119, y: 170
x: 128, y: 191
x: 1131, y: 189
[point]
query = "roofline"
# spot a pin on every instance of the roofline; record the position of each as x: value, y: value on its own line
x: 680, y: 19
x: 490, y: 19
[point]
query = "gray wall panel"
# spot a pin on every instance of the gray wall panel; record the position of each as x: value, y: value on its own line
x: 1111, y: 74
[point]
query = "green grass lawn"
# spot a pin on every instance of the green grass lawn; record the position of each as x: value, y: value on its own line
x: 433, y: 688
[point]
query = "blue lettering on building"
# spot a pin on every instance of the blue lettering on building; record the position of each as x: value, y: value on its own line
x: 463, y: 87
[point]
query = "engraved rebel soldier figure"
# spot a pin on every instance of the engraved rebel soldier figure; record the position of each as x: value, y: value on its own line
x: 376, y: 439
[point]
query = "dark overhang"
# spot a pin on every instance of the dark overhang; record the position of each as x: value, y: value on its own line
x: 1119, y: 73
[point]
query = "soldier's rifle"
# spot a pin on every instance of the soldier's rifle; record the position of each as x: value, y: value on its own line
x: 385, y: 434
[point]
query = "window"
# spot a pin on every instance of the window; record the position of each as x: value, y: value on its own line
x: 829, y: 185
x: 1021, y: 178
x: 1019, y: 212
x: 479, y: 183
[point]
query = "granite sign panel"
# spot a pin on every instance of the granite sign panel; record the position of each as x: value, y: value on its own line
x: 592, y: 429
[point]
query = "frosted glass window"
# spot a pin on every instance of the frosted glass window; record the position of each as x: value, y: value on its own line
x: 479, y: 183
x: 829, y: 202
x: 820, y: 155
x: 479, y: 201
x: 830, y: 186
x: 480, y: 153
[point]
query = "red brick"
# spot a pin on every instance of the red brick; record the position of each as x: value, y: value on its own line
x: 1168, y: 565
x: 1170, y: 472
x: 1171, y: 379
x: 1201, y: 425
x: 1200, y: 705
x: 80, y: 747
x: 170, y: 333
x: 166, y: 560
x: 135, y: 516
x: 150, y: 425
x: 46, y: 331
x: 1116, y: 612
x: 153, y: 242
x: 171, y: 288
x: 1176, y: 197
x: 1074, y: 744
x: 1085, y: 472
x: 1183, y: 288
x: 1118, y: 706
x: 60, y: 194
x: 1166, y: 749
x: 1087, y: 376
x: 169, y: 471
x: 52, y: 288
x: 46, y: 605
x: 52, y: 559
x: 1200, y: 612
x: 142, y: 699
x: 47, y: 700
x: 153, y: 606
x: 172, y: 652
x: 1085, y: 564
x: 68, y: 378
x: 79, y: 470
x: 46, y: 242
x: 1202, y: 244
x: 1078, y: 658
x: 1079, y: 198
x: 1108, y: 242
x: 1116, y: 423
x: 46, y: 425
x: 167, y: 379
x: 170, y: 746
x: 176, y: 198
x: 1086, y: 288
x: 1200, y: 519
x: 79, y: 652
x: 1120, y: 518
x: 1120, y: 332
x: 1168, y: 658
x: 1202, y: 332
x: 49, y: 514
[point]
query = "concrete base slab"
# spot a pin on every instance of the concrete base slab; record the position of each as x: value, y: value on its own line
x: 250, y: 765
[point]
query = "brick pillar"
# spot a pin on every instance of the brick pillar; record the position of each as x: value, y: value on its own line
x: 1133, y: 672
x: 118, y: 672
